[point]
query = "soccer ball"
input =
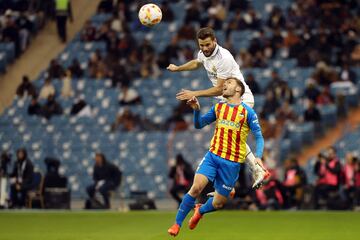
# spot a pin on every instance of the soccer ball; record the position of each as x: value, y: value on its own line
x: 150, y: 14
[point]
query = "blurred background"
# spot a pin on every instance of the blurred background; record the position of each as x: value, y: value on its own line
x: 89, y: 117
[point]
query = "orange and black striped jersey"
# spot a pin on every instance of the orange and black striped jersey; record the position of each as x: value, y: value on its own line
x: 233, y: 123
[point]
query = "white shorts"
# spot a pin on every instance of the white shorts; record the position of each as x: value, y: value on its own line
x: 248, y: 99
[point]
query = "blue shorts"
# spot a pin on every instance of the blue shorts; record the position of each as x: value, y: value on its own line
x: 223, y: 173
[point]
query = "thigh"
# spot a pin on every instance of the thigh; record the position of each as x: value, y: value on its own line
x: 226, y: 177
x: 207, y: 167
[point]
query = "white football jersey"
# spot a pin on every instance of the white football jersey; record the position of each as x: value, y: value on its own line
x: 221, y: 64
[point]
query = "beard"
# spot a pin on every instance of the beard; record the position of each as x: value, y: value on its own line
x: 208, y: 53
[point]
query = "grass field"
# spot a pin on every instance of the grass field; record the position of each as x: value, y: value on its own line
x: 153, y: 225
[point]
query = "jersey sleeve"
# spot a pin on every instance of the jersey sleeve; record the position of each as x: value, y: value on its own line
x: 255, y: 128
x: 225, y: 68
x: 200, y: 57
x: 206, y: 119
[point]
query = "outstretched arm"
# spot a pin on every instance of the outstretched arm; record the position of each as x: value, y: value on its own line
x: 210, y: 92
x: 191, y: 65
x: 201, y: 121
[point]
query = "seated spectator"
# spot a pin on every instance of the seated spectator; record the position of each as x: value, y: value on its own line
x: 167, y: 12
x: 47, y: 90
x: 253, y: 85
x: 193, y: 13
x: 120, y: 75
x: 176, y: 121
x: 126, y: 121
x: 324, y: 75
x: 25, y: 27
x: 312, y: 113
x: 284, y: 93
x: 294, y: 182
x: 149, y: 67
x: 26, y: 88
x: 10, y: 33
x: 97, y: 68
x: 105, y: 6
x: 270, y: 106
x: 181, y: 174
x: 325, y: 97
x: 186, y: 32
x: 88, y: 34
x: 328, y: 170
x: 244, y: 59
x: 250, y: 20
x: 107, y: 177
x: 81, y: 108
x: 311, y: 91
x: 285, y: 113
x: 51, y: 107
x: 75, y: 69
x: 21, y: 179
x: 346, y: 74
x: 67, y: 90
x: 34, y: 107
x: 128, y: 96
x: 55, y: 70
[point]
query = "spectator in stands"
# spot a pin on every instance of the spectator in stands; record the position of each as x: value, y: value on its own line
x: 80, y: 108
x: 63, y: 12
x: 244, y: 59
x: 21, y: 179
x: 105, y: 6
x: 325, y: 97
x: 349, y: 172
x: 276, y: 19
x: 128, y: 96
x: 107, y: 178
x: 186, y: 32
x: 120, y: 74
x: 97, y: 68
x: 181, y: 174
x: 167, y: 12
x: 52, y: 107
x: 217, y: 14
x: 88, y: 34
x: 149, y: 67
x: 126, y: 121
x: 55, y: 70
x: 285, y: 113
x: 193, y: 13
x: 26, y: 88
x: 67, y: 90
x: 312, y: 113
x: 75, y: 69
x: 25, y: 27
x: 176, y: 121
x: 324, y: 75
x: 346, y: 74
x: 253, y: 85
x: 311, y: 91
x: 172, y: 50
x: 328, y: 170
x: 34, y: 108
x: 10, y: 32
x: 47, y: 90
x: 270, y: 106
x: 294, y: 182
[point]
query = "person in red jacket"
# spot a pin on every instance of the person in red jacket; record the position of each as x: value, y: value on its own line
x: 328, y: 170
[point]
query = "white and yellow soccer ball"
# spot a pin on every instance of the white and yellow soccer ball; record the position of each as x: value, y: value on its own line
x: 150, y: 14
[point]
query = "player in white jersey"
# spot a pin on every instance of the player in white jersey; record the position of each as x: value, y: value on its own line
x: 219, y: 65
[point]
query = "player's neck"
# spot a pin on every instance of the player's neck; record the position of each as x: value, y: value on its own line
x: 233, y: 100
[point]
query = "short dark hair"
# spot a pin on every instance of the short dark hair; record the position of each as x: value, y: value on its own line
x: 239, y: 83
x: 206, y: 32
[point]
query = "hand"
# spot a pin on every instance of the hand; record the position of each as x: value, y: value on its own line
x: 18, y: 187
x: 173, y: 68
x: 185, y: 95
x: 194, y: 103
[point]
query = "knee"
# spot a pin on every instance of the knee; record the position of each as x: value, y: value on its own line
x: 195, y: 190
x: 219, y: 204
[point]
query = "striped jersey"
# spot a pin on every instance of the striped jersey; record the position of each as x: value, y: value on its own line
x: 233, y: 123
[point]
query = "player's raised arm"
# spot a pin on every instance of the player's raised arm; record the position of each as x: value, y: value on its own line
x: 191, y: 65
x: 201, y: 121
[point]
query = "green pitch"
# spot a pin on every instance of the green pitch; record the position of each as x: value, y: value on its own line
x: 224, y: 225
